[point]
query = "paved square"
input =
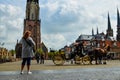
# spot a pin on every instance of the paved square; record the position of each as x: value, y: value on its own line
x: 65, y: 74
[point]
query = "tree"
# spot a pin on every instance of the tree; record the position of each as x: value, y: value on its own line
x: 12, y: 52
x: 40, y: 51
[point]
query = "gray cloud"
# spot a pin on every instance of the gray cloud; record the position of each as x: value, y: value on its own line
x: 11, y: 24
x: 76, y: 17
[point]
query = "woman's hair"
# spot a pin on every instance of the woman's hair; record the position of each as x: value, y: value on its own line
x: 26, y: 34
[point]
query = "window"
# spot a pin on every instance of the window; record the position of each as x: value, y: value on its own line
x: 32, y: 16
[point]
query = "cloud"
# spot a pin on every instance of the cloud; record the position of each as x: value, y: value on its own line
x: 54, y: 40
x: 76, y: 17
x: 62, y: 21
x: 2, y: 32
x: 11, y: 18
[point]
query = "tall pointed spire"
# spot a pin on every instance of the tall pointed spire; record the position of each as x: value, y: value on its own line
x: 97, y: 31
x: 109, y: 29
x: 118, y: 26
x: 92, y: 32
x: 118, y: 18
x: 109, y: 24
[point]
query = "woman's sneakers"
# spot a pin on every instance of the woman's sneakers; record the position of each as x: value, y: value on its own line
x: 29, y: 72
x: 21, y: 72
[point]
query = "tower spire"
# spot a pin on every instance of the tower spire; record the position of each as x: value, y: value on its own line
x: 109, y: 30
x: 97, y: 31
x: 118, y: 26
x: 92, y: 32
x: 109, y: 24
x: 118, y: 18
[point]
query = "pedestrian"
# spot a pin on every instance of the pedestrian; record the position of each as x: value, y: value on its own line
x: 81, y: 49
x: 41, y: 58
x: 27, y: 51
x: 76, y: 49
x: 37, y: 57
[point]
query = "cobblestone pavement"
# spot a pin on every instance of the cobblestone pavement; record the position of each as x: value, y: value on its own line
x: 65, y: 74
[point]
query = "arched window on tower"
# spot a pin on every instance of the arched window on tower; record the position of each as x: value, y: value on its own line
x: 32, y: 16
x: 30, y: 28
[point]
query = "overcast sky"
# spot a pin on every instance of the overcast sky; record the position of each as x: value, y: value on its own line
x: 62, y: 21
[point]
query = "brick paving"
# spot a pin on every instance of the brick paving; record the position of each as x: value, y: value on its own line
x: 111, y: 71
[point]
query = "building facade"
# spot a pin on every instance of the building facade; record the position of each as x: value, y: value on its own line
x: 6, y: 55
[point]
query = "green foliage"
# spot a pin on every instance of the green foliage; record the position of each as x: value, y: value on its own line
x: 12, y: 52
x: 52, y: 54
x: 40, y: 50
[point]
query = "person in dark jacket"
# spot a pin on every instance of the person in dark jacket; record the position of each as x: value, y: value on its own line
x: 81, y: 49
x: 37, y: 57
x: 42, y: 58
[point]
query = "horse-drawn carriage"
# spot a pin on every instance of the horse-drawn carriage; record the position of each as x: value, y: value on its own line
x: 78, y: 57
x: 60, y: 58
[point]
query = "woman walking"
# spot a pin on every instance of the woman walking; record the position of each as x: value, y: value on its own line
x: 27, y: 51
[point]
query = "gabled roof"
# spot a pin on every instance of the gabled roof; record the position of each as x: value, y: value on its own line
x: 98, y: 37
x: 110, y: 38
x: 84, y: 37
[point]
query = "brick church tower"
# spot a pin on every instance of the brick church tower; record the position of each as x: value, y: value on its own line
x: 32, y: 21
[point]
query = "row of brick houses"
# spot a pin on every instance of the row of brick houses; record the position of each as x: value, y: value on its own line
x: 6, y: 55
x: 114, y: 45
x: 3, y: 54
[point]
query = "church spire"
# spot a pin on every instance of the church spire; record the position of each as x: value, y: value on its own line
x: 118, y: 26
x: 109, y: 24
x: 97, y: 31
x: 109, y: 30
x: 92, y: 32
x: 118, y: 18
